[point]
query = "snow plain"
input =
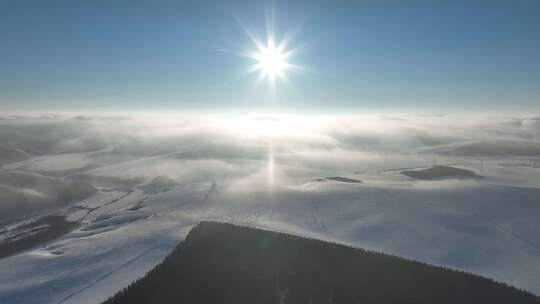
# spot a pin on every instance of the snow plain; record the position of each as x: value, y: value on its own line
x: 488, y: 226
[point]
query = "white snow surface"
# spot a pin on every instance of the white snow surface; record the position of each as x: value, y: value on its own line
x: 479, y: 227
x: 488, y: 226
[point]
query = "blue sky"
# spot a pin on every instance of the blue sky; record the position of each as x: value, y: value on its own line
x: 362, y: 56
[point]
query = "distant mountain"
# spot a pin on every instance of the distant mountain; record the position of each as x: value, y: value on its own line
x: 223, y: 263
x: 440, y: 172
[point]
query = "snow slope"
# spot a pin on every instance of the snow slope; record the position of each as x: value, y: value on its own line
x: 156, y: 180
x: 121, y: 236
x: 482, y: 228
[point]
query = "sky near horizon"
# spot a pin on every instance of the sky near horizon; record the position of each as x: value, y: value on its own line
x: 359, y: 56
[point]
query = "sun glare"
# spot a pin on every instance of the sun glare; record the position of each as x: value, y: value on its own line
x: 272, y: 60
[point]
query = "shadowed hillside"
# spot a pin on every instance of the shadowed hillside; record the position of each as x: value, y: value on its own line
x: 440, y: 172
x: 223, y: 263
x: 338, y: 179
x: 33, y: 234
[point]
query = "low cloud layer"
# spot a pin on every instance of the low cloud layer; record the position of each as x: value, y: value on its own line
x: 232, y: 148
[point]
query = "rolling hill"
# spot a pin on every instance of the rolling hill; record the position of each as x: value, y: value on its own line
x: 224, y: 263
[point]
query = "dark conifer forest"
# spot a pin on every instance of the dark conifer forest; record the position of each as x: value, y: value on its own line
x: 224, y: 263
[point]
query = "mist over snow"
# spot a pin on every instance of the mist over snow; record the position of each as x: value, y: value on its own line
x: 204, y: 147
x: 133, y: 186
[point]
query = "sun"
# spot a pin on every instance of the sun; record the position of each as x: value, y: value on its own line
x: 271, y: 60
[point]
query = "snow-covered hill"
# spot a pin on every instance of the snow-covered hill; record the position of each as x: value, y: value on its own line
x: 149, y: 190
x: 123, y: 234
